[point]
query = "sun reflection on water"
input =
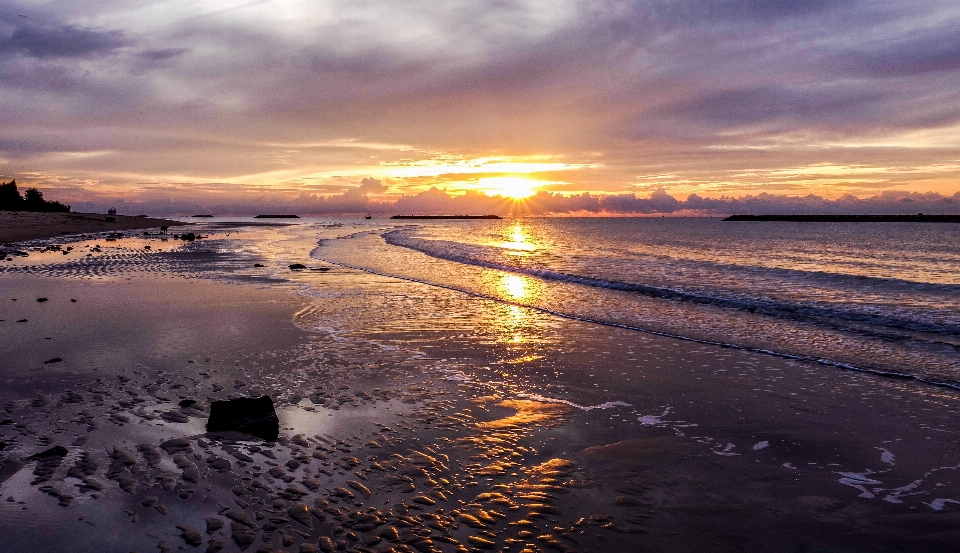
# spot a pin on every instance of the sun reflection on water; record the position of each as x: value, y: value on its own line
x: 514, y: 287
x: 515, y: 321
x: 518, y: 243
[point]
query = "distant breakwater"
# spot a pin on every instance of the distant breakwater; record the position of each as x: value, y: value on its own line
x: 918, y: 218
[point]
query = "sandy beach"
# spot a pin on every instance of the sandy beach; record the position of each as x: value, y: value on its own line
x: 421, y: 419
x: 16, y: 226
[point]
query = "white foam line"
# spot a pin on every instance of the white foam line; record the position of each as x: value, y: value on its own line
x: 607, y: 405
x: 654, y: 420
x: 791, y: 356
x: 937, y: 504
x: 886, y: 456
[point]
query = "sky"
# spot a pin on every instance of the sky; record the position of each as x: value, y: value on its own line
x: 560, y: 106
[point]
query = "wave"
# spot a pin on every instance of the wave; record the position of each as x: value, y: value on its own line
x: 882, y: 325
x: 941, y: 383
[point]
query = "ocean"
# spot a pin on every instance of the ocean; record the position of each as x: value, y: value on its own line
x: 881, y: 297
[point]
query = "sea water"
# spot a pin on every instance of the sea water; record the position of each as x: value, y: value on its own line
x: 881, y: 297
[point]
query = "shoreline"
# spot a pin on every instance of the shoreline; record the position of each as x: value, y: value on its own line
x: 19, y: 226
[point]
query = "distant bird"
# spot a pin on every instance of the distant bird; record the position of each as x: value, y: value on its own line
x: 21, y: 15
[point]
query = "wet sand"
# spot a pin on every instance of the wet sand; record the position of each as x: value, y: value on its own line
x: 16, y: 226
x: 448, y: 425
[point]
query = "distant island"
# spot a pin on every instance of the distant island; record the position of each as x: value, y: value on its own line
x: 446, y: 217
x: 32, y: 200
x: 204, y: 215
x: 277, y: 217
x: 918, y: 218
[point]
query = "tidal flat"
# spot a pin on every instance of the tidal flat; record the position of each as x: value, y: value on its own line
x: 416, y: 418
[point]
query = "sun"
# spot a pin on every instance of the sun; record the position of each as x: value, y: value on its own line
x: 509, y: 187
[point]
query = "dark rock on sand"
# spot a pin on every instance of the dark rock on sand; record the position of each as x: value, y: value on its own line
x: 255, y: 416
x: 41, y: 300
x: 54, y: 360
x: 297, y: 266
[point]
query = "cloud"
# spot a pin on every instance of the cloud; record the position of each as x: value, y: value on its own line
x: 717, y: 93
x: 933, y: 52
x: 371, y: 186
x: 59, y: 40
x: 212, y: 199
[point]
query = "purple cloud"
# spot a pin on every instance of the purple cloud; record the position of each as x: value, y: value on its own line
x: 59, y: 40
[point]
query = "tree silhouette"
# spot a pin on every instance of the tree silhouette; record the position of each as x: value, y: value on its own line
x: 32, y: 200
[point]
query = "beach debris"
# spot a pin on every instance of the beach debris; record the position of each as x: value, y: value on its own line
x: 297, y: 266
x: 250, y: 415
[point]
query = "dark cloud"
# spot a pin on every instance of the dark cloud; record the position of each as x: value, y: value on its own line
x: 800, y: 105
x: 928, y: 51
x: 60, y: 40
x: 162, y: 54
x: 738, y: 11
